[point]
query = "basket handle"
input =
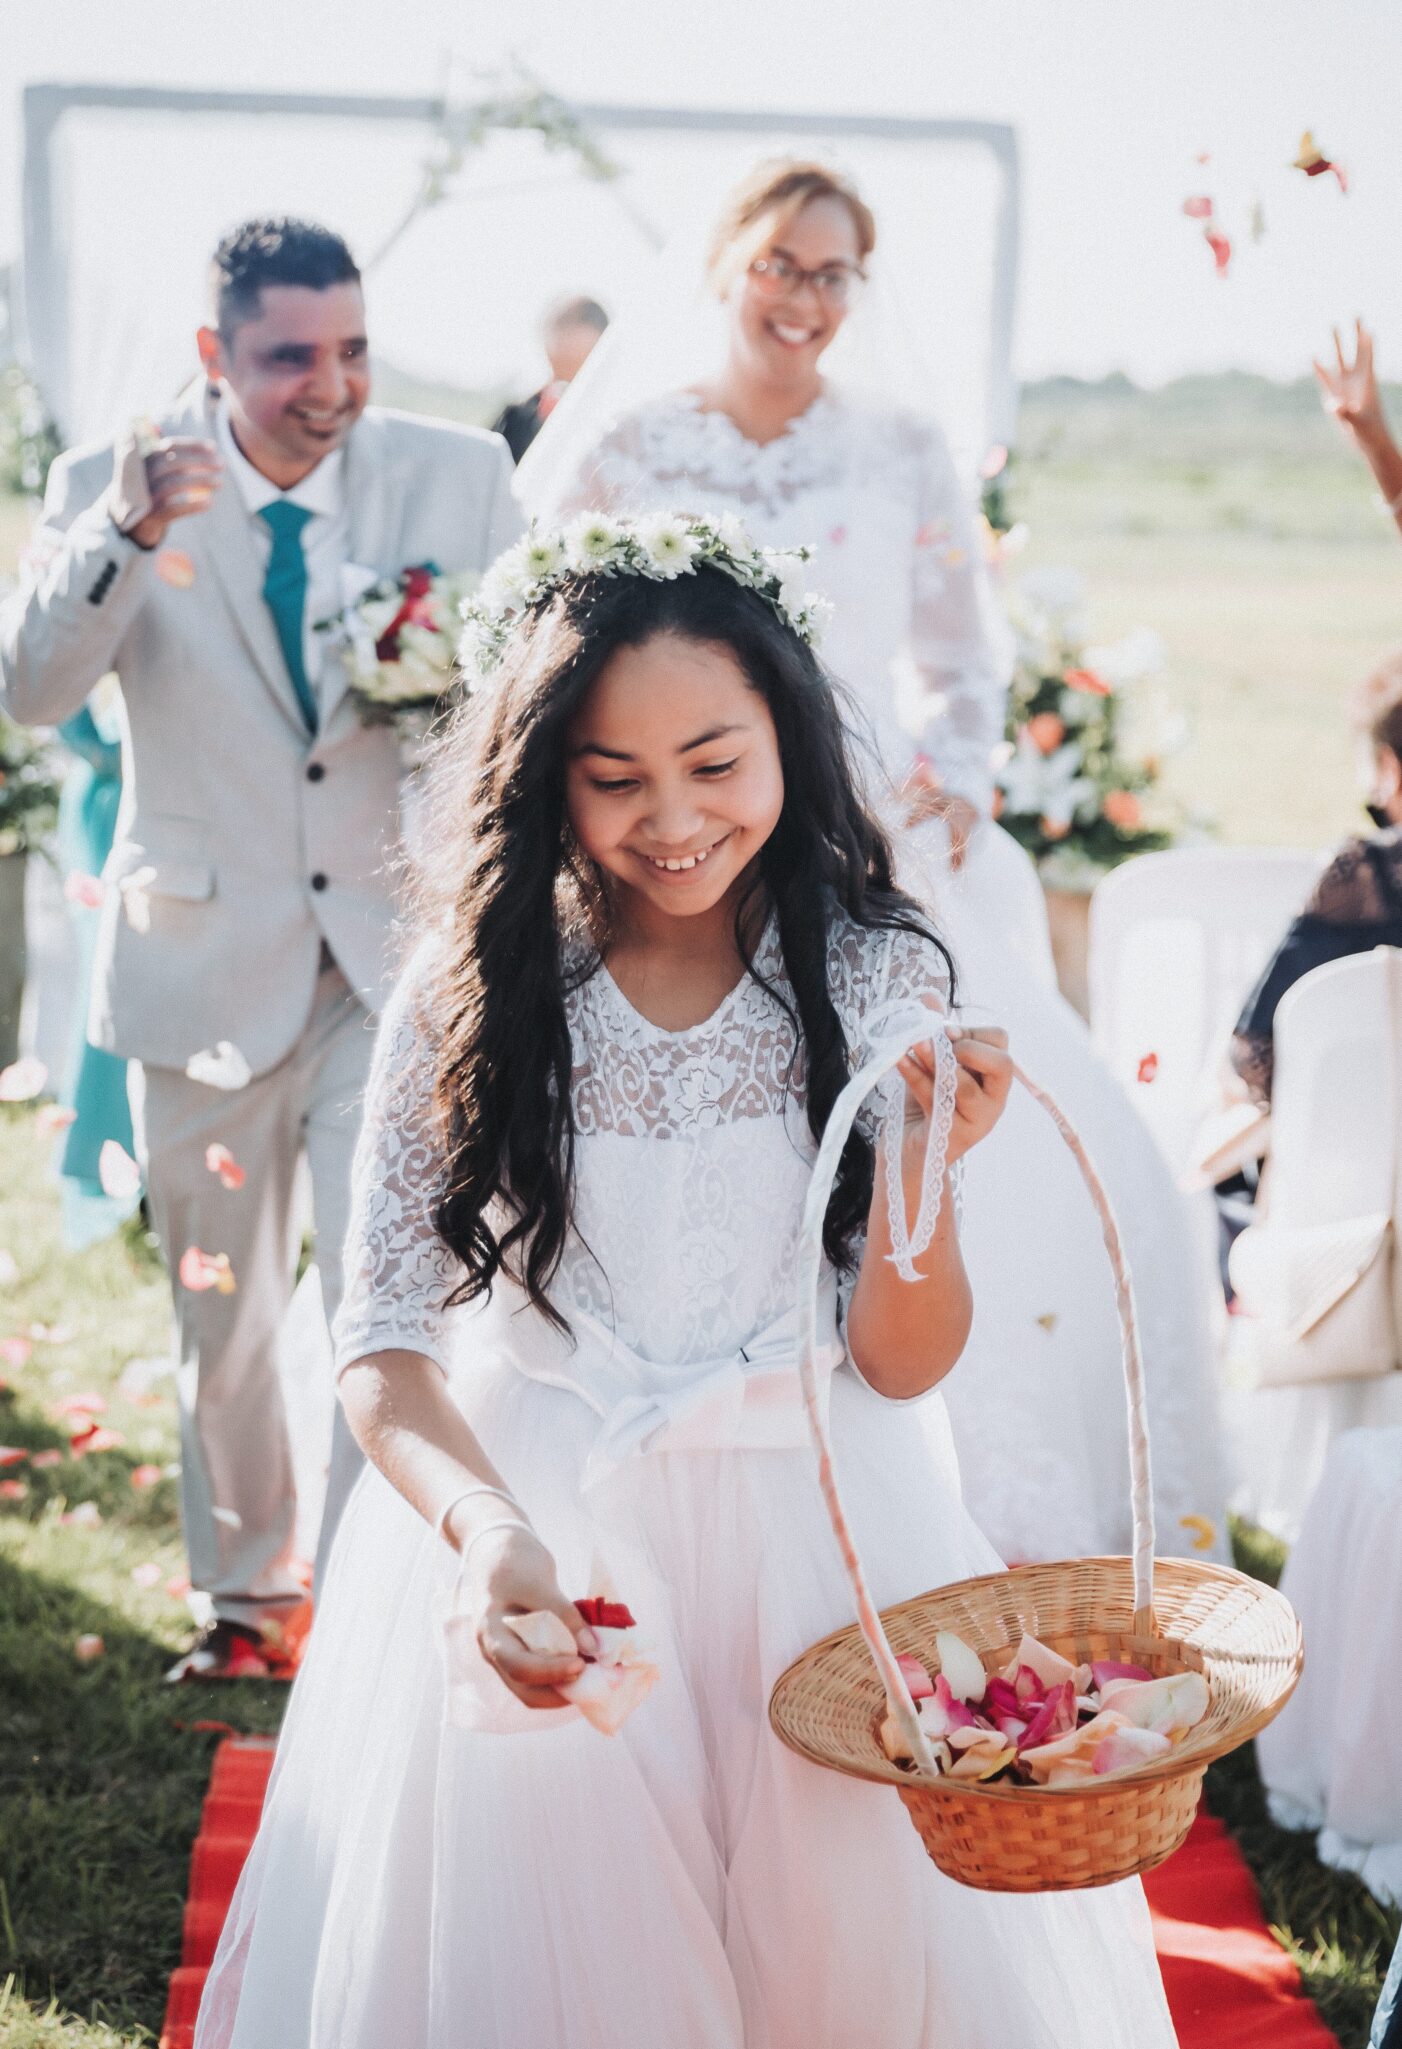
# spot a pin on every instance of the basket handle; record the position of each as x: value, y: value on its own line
x: 916, y: 1025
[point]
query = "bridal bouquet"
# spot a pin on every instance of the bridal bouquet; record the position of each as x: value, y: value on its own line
x: 1077, y: 780
x: 397, y: 639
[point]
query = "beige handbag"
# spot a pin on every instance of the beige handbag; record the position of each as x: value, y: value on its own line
x: 1323, y: 1301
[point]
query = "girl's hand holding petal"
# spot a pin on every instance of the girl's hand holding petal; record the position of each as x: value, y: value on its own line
x: 510, y: 1572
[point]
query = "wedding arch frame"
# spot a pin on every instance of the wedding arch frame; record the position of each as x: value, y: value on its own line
x: 44, y: 288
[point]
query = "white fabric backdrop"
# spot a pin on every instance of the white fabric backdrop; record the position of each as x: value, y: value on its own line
x: 459, y: 297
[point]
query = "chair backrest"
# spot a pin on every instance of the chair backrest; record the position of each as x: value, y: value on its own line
x: 1176, y: 941
x: 1334, y: 1108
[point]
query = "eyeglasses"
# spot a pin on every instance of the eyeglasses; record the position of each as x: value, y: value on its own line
x: 775, y: 277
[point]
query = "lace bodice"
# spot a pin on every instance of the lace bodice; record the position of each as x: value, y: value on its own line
x: 692, y: 1161
x: 915, y: 636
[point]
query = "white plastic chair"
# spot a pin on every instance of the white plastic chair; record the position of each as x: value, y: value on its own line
x: 1333, y: 1761
x: 1176, y: 942
x: 1334, y: 1158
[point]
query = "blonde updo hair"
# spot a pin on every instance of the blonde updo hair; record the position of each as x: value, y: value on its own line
x: 762, y: 205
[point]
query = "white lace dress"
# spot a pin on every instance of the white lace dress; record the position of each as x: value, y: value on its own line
x: 690, y: 1882
x: 1036, y: 1407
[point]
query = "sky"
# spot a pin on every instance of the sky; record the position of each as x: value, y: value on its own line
x: 1113, y: 101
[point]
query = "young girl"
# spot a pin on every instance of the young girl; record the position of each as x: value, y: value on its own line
x: 664, y: 927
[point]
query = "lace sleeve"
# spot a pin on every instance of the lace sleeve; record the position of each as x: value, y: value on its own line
x: 959, y: 645
x: 398, y: 1271
x: 1349, y: 891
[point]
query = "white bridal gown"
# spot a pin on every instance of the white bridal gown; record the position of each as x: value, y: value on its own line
x: 525, y: 1882
x: 1036, y: 1404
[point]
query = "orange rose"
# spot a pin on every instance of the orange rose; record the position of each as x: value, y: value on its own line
x: 1123, y: 810
x: 1046, y: 731
x: 1055, y: 828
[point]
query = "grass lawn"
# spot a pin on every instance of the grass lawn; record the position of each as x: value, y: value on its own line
x: 101, y: 1774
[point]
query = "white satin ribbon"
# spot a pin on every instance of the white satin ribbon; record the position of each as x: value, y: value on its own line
x: 750, y: 1400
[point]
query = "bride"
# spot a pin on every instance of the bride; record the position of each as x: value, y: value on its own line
x: 714, y: 399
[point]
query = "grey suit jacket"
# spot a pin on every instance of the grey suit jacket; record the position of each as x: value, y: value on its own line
x: 240, y: 842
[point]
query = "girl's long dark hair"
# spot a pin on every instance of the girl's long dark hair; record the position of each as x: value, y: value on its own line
x: 507, y: 883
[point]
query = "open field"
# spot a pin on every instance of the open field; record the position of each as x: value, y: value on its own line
x: 1229, y: 516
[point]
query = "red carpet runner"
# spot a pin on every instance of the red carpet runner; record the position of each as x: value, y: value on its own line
x: 1229, y: 1983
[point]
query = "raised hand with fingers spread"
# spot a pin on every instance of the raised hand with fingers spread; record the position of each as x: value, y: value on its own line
x: 1351, y: 394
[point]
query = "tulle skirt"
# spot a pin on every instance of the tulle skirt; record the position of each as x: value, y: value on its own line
x: 1036, y: 1402
x: 689, y: 1882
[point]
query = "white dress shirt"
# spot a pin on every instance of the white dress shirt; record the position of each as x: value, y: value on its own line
x: 322, y: 492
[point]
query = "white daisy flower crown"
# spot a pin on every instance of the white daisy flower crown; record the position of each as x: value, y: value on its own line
x: 658, y: 546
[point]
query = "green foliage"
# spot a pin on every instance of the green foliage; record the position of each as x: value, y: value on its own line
x: 29, y: 440
x: 101, y: 1776
x: 28, y: 790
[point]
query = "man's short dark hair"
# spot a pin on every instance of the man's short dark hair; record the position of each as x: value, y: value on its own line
x: 274, y: 252
x: 575, y: 311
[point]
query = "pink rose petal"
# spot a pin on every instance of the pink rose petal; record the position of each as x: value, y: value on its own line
x: 961, y: 1666
x: 919, y: 1684
x: 1123, y: 1749
x: 1105, y: 1670
x: 13, y: 1490
x: 1055, y: 1718
x: 84, y: 890
x: 88, y: 1648
x: 23, y: 1081
x: 219, y: 1160
x: 143, y: 1477
x: 80, y: 1405
x: 118, y: 1172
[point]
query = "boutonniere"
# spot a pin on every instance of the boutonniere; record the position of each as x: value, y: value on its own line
x: 397, y: 637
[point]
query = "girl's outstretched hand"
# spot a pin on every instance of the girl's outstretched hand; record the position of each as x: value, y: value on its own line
x: 510, y: 1572
x: 985, y: 1077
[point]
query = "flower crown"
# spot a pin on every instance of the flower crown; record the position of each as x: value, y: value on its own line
x: 658, y: 546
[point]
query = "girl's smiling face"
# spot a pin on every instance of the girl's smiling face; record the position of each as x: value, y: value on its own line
x: 674, y: 780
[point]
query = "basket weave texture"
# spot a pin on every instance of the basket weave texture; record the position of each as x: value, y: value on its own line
x: 1240, y: 1634
x: 1165, y: 1614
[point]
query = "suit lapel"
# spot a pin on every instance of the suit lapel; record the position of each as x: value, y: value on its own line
x: 223, y: 538
x: 374, y: 530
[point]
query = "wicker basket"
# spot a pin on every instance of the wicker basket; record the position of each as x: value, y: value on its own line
x: 1166, y: 1615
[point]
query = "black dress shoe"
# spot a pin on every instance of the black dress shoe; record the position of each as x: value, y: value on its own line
x: 222, y: 1650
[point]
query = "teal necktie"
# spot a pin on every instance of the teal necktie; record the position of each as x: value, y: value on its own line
x: 285, y: 592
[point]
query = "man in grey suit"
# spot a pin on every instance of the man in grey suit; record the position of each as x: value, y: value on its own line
x: 247, y: 933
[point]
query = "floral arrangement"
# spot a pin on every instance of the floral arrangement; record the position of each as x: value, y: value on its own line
x: 1041, y: 1720
x: 658, y: 546
x: 28, y: 790
x: 397, y: 641
x: 1077, y: 780
x: 506, y: 101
